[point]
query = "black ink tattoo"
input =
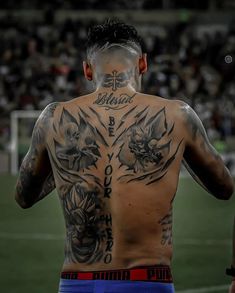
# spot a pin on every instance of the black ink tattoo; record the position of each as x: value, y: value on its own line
x: 196, y: 168
x: 48, y: 186
x: 110, y: 101
x: 166, y: 223
x: 197, y: 130
x: 31, y: 187
x: 117, y: 80
x: 108, y: 171
x: 107, y: 235
x: 145, y: 150
x: 81, y: 208
x: 111, y: 126
x: 99, y: 117
x: 41, y: 126
x: 125, y: 116
x: 194, y: 123
x: 75, y: 152
x: 80, y: 148
x: 146, y: 147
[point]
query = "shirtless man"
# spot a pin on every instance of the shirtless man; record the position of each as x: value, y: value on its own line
x: 115, y: 156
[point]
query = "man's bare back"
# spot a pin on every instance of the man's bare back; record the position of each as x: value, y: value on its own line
x: 115, y: 157
x: 116, y: 170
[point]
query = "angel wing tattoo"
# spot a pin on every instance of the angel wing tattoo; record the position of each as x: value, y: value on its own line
x: 146, y: 147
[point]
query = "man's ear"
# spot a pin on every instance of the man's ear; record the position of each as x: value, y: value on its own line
x: 87, y: 70
x: 143, y: 64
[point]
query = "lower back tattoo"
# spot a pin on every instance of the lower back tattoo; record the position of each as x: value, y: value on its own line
x: 166, y: 223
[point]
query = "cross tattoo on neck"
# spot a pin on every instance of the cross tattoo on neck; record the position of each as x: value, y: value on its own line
x: 116, y: 80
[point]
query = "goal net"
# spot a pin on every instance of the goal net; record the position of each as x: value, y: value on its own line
x: 22, y: 123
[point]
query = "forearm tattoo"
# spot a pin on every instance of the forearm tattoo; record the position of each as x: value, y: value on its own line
x: 28, y: 186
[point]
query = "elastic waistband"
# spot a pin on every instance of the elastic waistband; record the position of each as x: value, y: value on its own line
x: 157, y: 273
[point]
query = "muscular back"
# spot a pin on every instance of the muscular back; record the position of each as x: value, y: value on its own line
x: 116, y: 169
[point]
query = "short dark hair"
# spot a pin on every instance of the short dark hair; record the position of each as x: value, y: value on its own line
x: 112, y: 31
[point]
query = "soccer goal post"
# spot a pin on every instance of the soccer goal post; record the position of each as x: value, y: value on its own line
x: 22, y: 123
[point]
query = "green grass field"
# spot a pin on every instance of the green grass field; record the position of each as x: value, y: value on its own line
x: 31, y: 241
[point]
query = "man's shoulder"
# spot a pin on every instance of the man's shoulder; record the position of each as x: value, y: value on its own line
x: 172, y: 105
x: 50, y: 108
x: 48, y: 111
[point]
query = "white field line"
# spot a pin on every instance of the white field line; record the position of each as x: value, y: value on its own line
x: 51, y: 236
x: 198, y: 242
x: 31, y: 236
x: 205, y: 289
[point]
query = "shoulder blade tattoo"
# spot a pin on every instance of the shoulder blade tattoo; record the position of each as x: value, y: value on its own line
x: 146, y: 147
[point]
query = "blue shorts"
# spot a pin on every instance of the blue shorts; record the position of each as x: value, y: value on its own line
x: 101, y: 286
x: 148, y: 279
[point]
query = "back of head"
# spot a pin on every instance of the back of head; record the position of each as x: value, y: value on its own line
x: 113, y: 36
x: 114, y: 47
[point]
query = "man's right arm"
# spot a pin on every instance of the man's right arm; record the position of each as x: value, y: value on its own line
x: 202, y: 160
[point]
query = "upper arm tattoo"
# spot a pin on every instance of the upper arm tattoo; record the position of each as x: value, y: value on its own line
x: 197, y: 130
x: 209, y: 163
x: 194, y: 123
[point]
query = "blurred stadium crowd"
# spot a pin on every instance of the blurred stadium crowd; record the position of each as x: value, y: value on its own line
x: 41, y: 62
x: 117, y: 4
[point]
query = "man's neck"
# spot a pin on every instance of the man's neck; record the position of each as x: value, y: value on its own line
x: 115, y: 79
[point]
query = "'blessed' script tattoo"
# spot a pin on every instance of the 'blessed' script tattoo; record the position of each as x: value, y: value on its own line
x: 110, y: 101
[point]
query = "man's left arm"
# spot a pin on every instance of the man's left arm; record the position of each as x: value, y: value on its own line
x: 35, y: 179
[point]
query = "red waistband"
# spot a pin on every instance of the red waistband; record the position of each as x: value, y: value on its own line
x: 157, y: 273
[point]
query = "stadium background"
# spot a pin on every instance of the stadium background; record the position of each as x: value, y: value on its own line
x: 191, y: 54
